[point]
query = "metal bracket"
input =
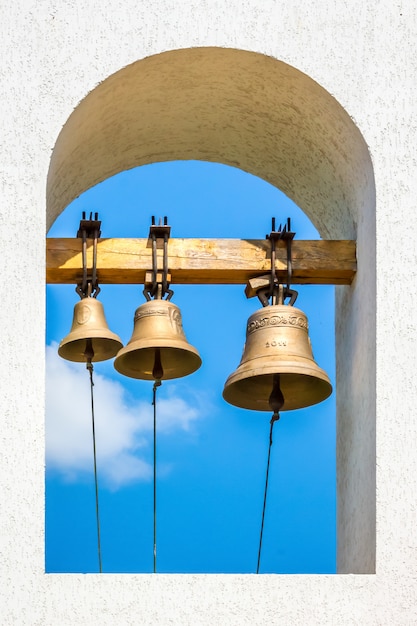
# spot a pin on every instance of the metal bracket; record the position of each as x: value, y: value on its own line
x: 91, y: 226
x: 284, y: 233
x: 157, y: 283
x: 267, y: 287
x: 158, y: 232
x: 261, y: 287
x: 89, y: 229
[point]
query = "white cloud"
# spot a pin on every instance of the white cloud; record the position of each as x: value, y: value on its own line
x: 174, y: 413
x: 123, y: 429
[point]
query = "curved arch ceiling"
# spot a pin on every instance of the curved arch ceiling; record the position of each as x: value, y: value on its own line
x: 223, y: 105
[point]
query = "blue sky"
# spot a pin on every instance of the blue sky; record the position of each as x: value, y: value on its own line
x: 211, y: 456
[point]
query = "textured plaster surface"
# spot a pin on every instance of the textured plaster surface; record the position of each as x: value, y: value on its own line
x: 363, y: 54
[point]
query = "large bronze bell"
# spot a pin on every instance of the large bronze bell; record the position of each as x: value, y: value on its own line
x: 158, y: 348
x: 89, y: 325
x: 277, y: 356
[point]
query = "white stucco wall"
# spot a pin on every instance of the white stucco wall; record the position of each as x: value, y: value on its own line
x: 52, y: 55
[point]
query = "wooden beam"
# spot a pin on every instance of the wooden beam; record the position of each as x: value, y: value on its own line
x: 203, y: 261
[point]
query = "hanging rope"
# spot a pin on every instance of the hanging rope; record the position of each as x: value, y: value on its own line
x: 276, y: 402
x: 274, y: 419
x: 89, y: 353
x: 155, y: 386
x: 157, y: 373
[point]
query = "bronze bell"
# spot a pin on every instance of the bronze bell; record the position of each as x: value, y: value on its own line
x: 277, y: 352
x: 158, y: 348
x: 89, y: 323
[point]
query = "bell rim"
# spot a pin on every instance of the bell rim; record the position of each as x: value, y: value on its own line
x: 69, y: 353
x: 143, y: 344
x: 316, y: 374
x: 288, y: 363
x: 194, y: 360
x: 311, y: 400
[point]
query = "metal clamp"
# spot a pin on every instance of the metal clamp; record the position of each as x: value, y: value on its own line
x: 89, y: 229
x: 267, y: 287
x: 284, y: 233
x: 157, y: 284
x: 261, y: 286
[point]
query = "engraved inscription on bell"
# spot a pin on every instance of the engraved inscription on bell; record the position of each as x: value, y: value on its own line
x: 176, y: 320
x: 257, y: 321
x: 83, y: 313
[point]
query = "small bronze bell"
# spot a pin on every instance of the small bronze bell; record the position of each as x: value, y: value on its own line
x: 158, y: 348
x: 89, y: 323
x: 277, y: 352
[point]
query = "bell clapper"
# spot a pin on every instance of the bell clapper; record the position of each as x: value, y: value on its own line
x: 157, y: 371
x: 89, y: 354
x: 276, y: 399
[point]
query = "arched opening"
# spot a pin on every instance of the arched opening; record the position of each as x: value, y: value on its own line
x: 266, y: 118
x: 211, y: 455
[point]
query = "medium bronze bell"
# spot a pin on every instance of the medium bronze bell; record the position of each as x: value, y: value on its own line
x: 277, y: 351
x: 89, y: 323
x: 158, y: 348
